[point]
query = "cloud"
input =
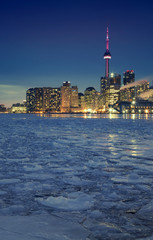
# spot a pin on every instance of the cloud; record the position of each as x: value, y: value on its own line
x: 10, y: 94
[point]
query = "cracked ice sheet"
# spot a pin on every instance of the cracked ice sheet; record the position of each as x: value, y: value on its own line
x: 42, y: 227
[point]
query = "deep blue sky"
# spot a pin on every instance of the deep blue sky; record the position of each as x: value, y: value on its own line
x: 43, y: 43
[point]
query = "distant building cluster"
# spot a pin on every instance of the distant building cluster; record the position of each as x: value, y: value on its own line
x: 113, y: 97
x: 132, y: 97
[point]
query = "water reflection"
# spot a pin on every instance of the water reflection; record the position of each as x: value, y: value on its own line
x: 92, y: 115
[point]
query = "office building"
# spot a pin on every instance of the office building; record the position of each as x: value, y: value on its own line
x: 43, y: 99
x: 114, y: 88
x: 66, y: 97
x: 74, y: 97
x: 90, y: 98
x: 128, y: 77
x: 51, y: 99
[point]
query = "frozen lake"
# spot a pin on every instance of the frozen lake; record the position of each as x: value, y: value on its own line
x: 67, y: 177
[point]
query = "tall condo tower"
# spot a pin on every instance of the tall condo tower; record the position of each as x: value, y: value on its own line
x: 107, y: 55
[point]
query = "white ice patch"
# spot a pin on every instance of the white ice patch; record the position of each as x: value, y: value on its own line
x: 74, y: 202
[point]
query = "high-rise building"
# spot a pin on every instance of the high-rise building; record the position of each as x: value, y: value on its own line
x: 43, y: 99
x: 74, y: 97
x: 90, y: 98
x: 51, y: 99
x: 81, y: 100
x: 103, y: 84
x: 39, y: 99
x: 34, y: 97
x: 128, y: 77
x: 115, y: 80
x: 66, y: 97
x: 114, y: 87
x: 31, y: 100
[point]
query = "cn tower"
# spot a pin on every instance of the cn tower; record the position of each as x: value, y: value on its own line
x: 107, y: 55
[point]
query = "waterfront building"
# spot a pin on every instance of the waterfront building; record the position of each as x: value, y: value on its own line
x: 51, y: 99
x: 91, y: 98
x: 136, y: 107
x: 128, y: 77
x: 31, y: 100
x: 132, y: 91
x: 18, y: 108
x: 39, y: 99
x: 34, y: 98
x: 69, y: 98
x: 66, y: 97
x: 43, y: 99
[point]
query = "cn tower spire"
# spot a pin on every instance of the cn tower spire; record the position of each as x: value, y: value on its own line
x: 107, y: 55
x: 107, y: 40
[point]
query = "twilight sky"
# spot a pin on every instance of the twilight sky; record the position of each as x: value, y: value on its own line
x: 43, y: 43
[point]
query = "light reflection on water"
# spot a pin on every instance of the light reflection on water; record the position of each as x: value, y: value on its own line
x: 107, y: 116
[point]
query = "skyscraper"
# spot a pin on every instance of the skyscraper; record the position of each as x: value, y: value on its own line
x: 66, y: 97
x: 51, y: 99
x: 114, y: 87
x: 45, y: 99
x: 90, y: 97
x: 34, y: 97
x: 128, y: 77
x: 74, y: 97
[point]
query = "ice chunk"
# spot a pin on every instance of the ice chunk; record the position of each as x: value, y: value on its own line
x: 74, y: 202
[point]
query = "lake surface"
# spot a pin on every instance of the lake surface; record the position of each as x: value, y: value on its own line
x: 76, y: 177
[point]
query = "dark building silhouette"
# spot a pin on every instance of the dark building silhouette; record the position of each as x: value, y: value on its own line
x: 128, y: 77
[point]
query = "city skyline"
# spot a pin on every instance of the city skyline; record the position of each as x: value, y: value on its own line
x: 45, y: 43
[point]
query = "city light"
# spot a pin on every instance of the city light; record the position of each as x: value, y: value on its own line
x: 146, y: 111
